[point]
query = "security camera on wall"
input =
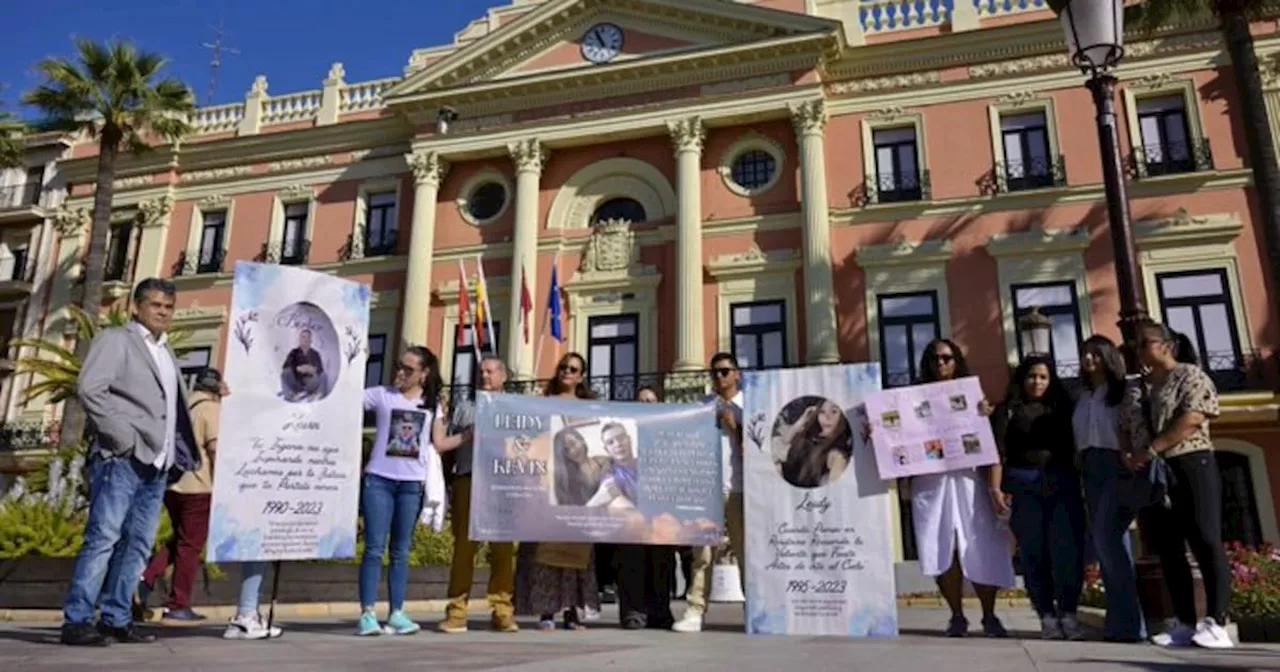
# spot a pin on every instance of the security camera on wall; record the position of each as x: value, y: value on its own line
x: 444, y: 117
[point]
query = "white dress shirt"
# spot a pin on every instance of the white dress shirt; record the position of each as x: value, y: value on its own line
x: 159, y: 349
x: 731, y: 453
x: 1094, y: 422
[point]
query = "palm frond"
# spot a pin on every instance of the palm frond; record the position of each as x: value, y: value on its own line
x: 10, y: 141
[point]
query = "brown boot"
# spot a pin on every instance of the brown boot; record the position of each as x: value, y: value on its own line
x: 504, y: 624
x: 453, y: 625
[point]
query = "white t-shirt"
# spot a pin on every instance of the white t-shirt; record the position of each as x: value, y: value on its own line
x: 731, y: 458
x: 402, y: 437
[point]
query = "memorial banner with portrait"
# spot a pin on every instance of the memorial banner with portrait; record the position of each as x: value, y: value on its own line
x: 930, y: 429
x: 819, y: 540
x: 556, y: 470
x: 286, y: 479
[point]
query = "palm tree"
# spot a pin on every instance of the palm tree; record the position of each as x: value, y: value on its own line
x: 112, y: 92
x: 1233, y: 18
x: 10, y: 141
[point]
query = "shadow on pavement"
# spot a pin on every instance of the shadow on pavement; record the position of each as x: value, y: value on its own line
x: 1192, y: 665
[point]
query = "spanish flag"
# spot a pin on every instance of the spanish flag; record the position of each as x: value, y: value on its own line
x: 484, y: 317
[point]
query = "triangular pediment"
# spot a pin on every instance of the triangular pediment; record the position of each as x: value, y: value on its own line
x: 549, y: 38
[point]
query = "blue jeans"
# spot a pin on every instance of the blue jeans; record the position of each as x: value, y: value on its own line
x: 1048, y: 521
x: 125, y: 498
x: 390, y: 508
x: 1106, y: 484
x: 251, y: 574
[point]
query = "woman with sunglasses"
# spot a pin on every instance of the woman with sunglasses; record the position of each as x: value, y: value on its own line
x: 1101, y: 445
x: 394, y: 481
x: 554, y: 578
x: 958, y: 535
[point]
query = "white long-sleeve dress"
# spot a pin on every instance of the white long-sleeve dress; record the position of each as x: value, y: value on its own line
x: 952, y: 511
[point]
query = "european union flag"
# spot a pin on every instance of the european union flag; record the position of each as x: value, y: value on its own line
x: 553, y: 305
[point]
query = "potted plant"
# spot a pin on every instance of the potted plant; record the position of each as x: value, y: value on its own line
x: 1255, y: 592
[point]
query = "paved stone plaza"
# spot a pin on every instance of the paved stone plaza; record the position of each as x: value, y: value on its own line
x: 328, y: 644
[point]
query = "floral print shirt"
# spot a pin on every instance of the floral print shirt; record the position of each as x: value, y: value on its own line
x: 1187, y: 389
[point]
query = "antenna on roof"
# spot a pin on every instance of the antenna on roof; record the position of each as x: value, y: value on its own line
x: 215, y: 63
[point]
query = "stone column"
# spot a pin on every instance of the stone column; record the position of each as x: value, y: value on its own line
x: 688, y: 136
x: 810, y: 121
x: 530, y: 157
x: 148, y: 259
x: 428, y: 172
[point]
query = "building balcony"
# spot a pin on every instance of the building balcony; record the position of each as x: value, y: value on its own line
x: 22, y: 204
x: 361, y: 244
x: 896, y: 187
x: 27, y: 435
x: 293, y: 254
x: 1028, y: 175
x: 1171, y: 159
x: 199, y: 264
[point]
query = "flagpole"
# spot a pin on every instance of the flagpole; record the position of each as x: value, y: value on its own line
x: 546, y: 316
x: 462, y: 279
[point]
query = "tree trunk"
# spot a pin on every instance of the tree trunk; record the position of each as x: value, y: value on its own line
x: 1257, y: 130
x: 91, y: 279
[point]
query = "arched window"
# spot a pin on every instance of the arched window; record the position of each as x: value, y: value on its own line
x: 627, y: 209
x: 1240, y: 520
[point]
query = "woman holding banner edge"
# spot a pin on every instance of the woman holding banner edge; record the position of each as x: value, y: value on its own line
x: 393, y: 486
x: 957, y: 532
x: 553, y: 578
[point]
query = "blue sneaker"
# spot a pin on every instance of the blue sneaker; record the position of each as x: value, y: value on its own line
x: 399, y: 624
x: 368, y: 625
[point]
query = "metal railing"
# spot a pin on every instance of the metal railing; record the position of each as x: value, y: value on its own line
x: 27, y: 435
x: 1172, y: 158
x: 1023, y: 175
x: 672, y: 387
x: 199, y: 264
x: 273, y: 253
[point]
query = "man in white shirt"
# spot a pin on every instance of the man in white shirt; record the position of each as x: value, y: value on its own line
x: 725, y: 378
x: 141, y: 437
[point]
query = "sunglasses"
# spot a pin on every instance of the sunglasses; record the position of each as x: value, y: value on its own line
x: 569, y: 368
x: 721, y: 373
x: 944, y: 359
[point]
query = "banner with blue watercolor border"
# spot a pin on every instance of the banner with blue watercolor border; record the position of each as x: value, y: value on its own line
x: 287, y: 472
x: 819, y: 528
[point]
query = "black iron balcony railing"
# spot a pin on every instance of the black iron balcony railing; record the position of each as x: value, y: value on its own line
x: 116, y: 269
x: 293, y: 254
x: 1023, y: 175
x: 20, y: 195
x: 364, y: 243
x: 199, y: 264
x: 1172, y: 158
x: 899, y: 187
x: 672, y: 387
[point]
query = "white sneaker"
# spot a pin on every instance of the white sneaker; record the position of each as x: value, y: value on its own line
x: 1210, y: 635
x: 1176, y: 634
x: 690, y: 622
x: 1071, y: 627
x: 1050, y: 627
x: 250, y: 627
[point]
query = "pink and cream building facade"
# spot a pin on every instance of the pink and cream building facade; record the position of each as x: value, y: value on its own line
x: 798, y: 182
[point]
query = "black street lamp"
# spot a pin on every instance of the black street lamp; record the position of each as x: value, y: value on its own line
x: 1095, y: 44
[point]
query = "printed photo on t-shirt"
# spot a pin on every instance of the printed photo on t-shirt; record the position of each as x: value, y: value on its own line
x: 405, y: 433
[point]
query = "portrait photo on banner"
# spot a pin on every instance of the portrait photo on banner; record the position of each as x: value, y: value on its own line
x: 812, y: 442
x: 307, y: 343
x: 595, y: 463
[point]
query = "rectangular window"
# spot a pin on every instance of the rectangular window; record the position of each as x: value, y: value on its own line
x: 1058, y: 302
x: 1166, y: 135
x: 212, y: 242
x: 907, y: 323
x: 759, y: 331
x: 1027, y: 163
x: 381, y: 229
x: 376, y: 362
x: 1198, y: 304
x: 191, y: 362
x: 613, y: 356
x: 466, y: 368
x: 118, y: 251
x: 34, y: 186
x: 293, y: 245
x: 15, y: 267
x: 897, y: 170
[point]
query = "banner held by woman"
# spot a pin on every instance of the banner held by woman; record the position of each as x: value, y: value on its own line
x: 287, y: 476
x: 584, y: 471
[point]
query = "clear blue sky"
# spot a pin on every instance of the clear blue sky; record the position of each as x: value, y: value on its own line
x: 292, y: 42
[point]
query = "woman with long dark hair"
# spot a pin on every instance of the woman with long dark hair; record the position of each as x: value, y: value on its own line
x: 1171, y: 421
x: 410, y: 423
x: 957, y: 532
x: 559, y: 578
x: 819, y: 446
x: 1038, y: 474
x: 577, y: 475
x: 1107, y: 483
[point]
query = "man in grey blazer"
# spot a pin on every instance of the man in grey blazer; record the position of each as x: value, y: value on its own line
x: 132, y: 392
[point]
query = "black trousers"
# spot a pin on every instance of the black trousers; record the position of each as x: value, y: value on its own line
x: 644, y: 585
x: 606, y: 565
x: 1194, y: 520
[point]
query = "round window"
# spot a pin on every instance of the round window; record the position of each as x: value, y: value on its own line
x: 486, y: 201
x: 626, y: 209
x: 754, y: 169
